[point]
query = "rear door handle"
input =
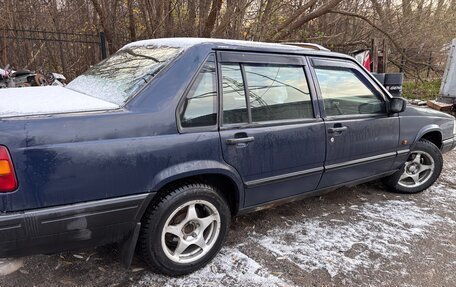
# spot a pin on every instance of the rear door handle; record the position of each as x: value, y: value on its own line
x: 337, y: 130
x: 239, y: 140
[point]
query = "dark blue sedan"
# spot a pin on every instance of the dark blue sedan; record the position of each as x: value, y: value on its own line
x: 158, y: 146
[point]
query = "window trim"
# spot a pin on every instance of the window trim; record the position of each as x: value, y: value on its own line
x: 244, y: 57
x: 187, y: 90
x: 302, y: 65
x: 344, y: 64
x: 270, y: 123
x: 246, y: 93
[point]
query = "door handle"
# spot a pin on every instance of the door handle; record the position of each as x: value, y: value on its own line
x: 337, y: 130
x: 239, y: 140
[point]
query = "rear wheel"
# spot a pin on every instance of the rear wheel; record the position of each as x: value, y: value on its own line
x: 184, y: 229
x: 420, y: 171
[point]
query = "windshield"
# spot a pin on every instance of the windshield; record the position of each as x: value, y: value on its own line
x: 120, y: 76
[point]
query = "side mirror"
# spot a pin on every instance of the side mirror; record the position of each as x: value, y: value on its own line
x: 396, y: 105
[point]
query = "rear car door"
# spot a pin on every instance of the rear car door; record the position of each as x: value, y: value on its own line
x: 361, y: 137
x: 270, y: 127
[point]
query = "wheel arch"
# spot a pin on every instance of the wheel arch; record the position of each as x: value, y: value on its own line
x: 432, y: 133
x: 223, y: 177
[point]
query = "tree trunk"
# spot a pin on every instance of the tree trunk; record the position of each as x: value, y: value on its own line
x: 210, y: 22
x: 131, y: 21
x: 191, y: 18
x: 104, y: 24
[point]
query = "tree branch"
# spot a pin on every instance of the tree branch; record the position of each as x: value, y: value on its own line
x: 394, y: 42
x: 306, y: 18
x: 293, y: 17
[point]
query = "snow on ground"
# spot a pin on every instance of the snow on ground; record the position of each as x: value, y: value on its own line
x: 381, y: 231
x: 231, y: 267
x: 8, y: 266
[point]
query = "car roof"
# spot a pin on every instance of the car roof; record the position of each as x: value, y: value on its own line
x: 227, y: 44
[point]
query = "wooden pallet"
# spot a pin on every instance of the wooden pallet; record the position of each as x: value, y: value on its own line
x: 439, y: 106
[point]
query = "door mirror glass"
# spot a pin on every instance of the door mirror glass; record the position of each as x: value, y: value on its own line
x: 397, y: 105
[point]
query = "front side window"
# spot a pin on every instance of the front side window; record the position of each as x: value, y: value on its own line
x: 278, y: 92
x: 344, y: 93
x: 200, y: 107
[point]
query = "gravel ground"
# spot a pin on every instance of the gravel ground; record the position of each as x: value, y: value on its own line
x: 361, y: 236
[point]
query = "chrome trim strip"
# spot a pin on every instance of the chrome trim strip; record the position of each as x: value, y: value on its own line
x: 270, y: 179
x: 403, y: 151
x: 286, y: 176
x: 361, y: 160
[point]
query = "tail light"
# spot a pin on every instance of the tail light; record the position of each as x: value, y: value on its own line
x: 8, y: 181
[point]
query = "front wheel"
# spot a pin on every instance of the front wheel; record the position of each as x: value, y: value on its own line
x: 420, y: 171
x: 184, y: 229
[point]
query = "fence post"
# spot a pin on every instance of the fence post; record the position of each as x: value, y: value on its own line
x: 104, y: 53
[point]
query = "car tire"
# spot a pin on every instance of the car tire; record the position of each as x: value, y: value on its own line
x: 419, y: 172
x: 184, y: 228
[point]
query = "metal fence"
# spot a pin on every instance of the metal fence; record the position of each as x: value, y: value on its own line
x: 66, y: 53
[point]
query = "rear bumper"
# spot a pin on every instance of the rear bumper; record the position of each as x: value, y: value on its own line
x: 448, y: 144
x: 56, y: 229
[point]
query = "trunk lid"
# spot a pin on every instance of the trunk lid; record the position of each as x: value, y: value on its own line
x: 32, y: 101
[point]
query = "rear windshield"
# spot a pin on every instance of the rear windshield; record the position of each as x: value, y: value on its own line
x: 119, y: 77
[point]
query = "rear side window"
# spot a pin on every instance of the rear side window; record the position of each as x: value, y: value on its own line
x: 275, y: 92
x: 200, y: 108
x: 234, y: 101
x: 278, y: 92
x: 344, y: 93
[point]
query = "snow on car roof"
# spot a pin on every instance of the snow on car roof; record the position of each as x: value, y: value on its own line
x: 189, y: 42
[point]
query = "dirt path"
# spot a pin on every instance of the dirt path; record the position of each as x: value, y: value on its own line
x: 355, y: 236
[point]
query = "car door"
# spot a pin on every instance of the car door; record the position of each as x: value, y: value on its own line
x: 270, y: 127
x: 361, y: 137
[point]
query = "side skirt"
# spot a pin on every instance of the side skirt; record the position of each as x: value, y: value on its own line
x: 314, y: 193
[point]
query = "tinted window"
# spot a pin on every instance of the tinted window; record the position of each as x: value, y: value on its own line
x: 200, y: 108
x: 344, y: 93
x: 278, y: 92
x: 234, y: 102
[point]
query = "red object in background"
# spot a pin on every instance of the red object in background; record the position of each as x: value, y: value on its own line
x: 367, y: 61
x: 364, y: 58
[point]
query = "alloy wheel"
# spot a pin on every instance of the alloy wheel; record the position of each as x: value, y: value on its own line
x: 190, y: 231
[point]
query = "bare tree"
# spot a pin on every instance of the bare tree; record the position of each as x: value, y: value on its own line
x: 414, y: 28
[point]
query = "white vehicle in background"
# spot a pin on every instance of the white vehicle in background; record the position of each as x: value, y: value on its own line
x: 56, y: 79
